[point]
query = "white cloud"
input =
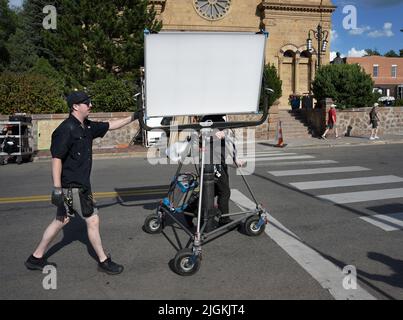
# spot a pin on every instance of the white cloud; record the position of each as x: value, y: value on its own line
x: 385, y: 32
x: 353, y: 52
x: 333, y: 35
x: 359, y: 31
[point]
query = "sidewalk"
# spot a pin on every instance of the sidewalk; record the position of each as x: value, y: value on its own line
x: 139, y: 151
x: 341, y: 141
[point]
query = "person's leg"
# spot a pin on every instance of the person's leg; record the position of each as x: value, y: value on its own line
x: 376, y: 133
x: 105, y: 263
x: 325, y: 133
x: 50, y: 233
x: 224, y: 193
x: 95, y: 237
x: 335, y: 129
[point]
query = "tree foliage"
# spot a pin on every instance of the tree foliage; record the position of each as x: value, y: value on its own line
x: 273, y: 82
x: 347, y: 84
x: 95, y: 45
x: 29, y: 93
x: 392, y: 54
x: 8, y: 25
x: 372, y: 52
x: 113, y: 95
x: 95, y: 39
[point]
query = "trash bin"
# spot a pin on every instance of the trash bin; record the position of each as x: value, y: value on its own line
x: 295, y: 102
x: 307, y: 102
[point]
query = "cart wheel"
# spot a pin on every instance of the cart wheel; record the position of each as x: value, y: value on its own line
x: 250, y: 227
x: 3, y: 161
x: 18, y: 159
x: 186, y: 263
x: 153, y: 224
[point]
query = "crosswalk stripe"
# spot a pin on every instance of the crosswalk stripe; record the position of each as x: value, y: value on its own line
x: 267, y: 155
x: 360, y: 196
x: 387, y: 222
x: 329, y: 276
x: 316, y: 171
x: 278, y: 158
x: 322, y: 184
x: 307, y: 162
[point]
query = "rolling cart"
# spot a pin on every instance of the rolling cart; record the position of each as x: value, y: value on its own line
x: 202, y: 73
x: 14, y: 140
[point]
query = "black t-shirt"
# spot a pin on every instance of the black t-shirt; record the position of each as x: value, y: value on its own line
x: 72, y: 143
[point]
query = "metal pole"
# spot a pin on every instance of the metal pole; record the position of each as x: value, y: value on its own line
x: 319, y: 30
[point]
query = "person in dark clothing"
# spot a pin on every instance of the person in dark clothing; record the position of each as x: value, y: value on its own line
x: 221, y: 180
x: 71, y: 150
x: 374, y: 121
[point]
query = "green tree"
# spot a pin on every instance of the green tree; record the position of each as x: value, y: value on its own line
x: 8, y: 25
x: 95, y: 39
x: 272, y: 81
x: 391, y: 53
x: 43, y: 67
x: 113, y: 95
x: 401, y: 53
x: 347, y: 84
x: 30, y: 93
x: 371, y: 52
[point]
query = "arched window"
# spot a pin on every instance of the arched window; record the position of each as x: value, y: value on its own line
x: 306, y: 54
x: 289, y: 54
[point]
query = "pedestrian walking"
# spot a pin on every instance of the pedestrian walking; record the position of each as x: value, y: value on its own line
x: 374, y: 121
x: 71, y: 149
x: 331, y: 121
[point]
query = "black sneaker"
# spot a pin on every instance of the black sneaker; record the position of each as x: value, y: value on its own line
x: 33, y: 263
x: 110, y: 267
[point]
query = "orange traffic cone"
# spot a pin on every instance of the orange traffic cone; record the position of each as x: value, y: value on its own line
x: 279, y: 138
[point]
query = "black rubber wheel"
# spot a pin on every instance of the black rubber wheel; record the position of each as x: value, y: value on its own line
x: 18, y: 159
x: 250, y: 226
x: 153, y: 224
x: 185, y: 263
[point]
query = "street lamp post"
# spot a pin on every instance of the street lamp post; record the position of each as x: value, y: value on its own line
x: 320, y: 35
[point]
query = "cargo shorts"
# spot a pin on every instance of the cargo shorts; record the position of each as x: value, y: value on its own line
x: 77, y: 201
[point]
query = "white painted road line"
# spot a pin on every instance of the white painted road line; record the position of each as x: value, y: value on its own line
x: 329, y: 276
x: 387, y: 222
x: 316, y: 171
x: 322, y: 184
x: 255, y: 156
x: 361, y: 196
x: 308, y: 162
x: 278, y: 158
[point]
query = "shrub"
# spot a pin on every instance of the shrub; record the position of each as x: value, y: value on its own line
x: 29, y: 93
x: 272, y: 81
x: 347, y: 84
x: 113, y: 95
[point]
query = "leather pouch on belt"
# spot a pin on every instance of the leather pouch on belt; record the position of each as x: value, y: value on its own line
x: 86, y: 201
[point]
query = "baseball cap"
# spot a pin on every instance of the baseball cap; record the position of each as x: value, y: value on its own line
x: 333, y: 105
x: 376, y: 104
x: 77, y: 97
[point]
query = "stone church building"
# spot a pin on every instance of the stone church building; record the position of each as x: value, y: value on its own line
x: 287, y: 21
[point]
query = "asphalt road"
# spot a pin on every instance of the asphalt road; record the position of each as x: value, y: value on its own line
x: 316, y: 228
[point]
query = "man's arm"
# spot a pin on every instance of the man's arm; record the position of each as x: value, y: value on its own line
x: 119, y: 123
x: 57, y: 172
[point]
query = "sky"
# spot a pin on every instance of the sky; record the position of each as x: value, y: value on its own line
x: 376, y: 25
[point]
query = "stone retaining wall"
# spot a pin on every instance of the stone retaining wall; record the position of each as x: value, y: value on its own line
x: 355, y: 122
x: 44, y: 124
